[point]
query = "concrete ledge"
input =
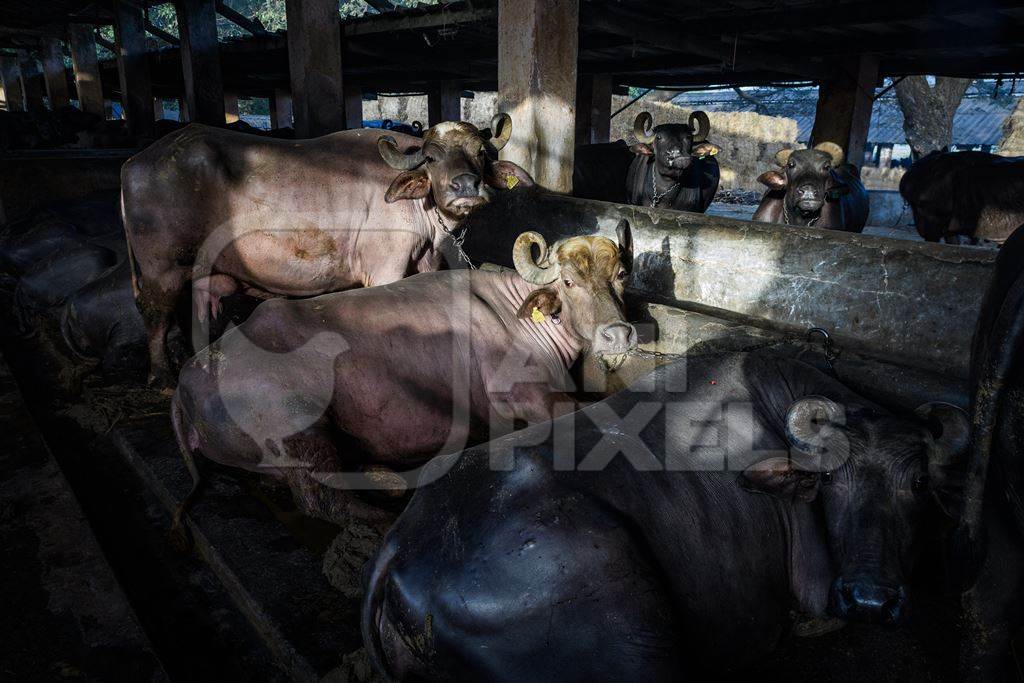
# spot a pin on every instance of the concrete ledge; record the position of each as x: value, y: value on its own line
x: 908, y: 303
x: 276, y: 582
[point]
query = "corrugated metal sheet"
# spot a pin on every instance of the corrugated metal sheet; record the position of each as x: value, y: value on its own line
x: 978, y: 121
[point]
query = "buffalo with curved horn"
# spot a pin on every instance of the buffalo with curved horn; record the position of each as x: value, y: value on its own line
x: 671, y: 166
x: 298, y: 218
x: 814, y: 188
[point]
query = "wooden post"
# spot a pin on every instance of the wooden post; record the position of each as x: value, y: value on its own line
x: 444, y: 103
x: 281, y: 109
x: 537, y: 52
x: 584, y: 108
x: 10, y: 72
x: 843, y: 115
x: 230, y: 108
x: 82, y: 39
x: 601, y: 109
x: 353, y: 106
x: 55, y: 73
x: 133, y: 68
x: 32, y: 81
x: 158, y: 109
x: 314, y: 62
x: 200, y: 61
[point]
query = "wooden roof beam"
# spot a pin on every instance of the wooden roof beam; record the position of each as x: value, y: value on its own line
x: 666, y: 35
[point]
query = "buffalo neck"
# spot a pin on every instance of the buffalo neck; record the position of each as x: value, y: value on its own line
x: 557, y: 341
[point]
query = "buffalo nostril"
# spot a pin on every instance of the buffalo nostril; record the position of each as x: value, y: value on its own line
x: 467, y: 183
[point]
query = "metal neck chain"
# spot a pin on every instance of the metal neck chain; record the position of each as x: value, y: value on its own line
x: 456, y: 240
x: 656, y: 197
x: 785, y: 216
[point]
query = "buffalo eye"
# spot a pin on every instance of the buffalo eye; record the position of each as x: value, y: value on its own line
x: 792, y: 164
x: 827, y: 477
x: 826, y: 168
x: 429, y: 159
x: 920, y: 484
x: 621, y: 275
x: 567, y: 282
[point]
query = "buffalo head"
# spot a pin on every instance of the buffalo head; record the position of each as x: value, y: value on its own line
x: 806, y: 177
x: 673, y: 145
x: 876, y: 476
x: 582, y: 282
x: 455, y: 166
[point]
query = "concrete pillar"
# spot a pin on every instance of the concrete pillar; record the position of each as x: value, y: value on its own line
x: 133, y: 68
x: 55, y: 74
x: 281, y: 109
x: 843, y: 115
x: 32, y: 81
x: 230, y: 108
x: 200, y: 60
x: 82, y: 39
x: 537, y: 52
x: 10, y: 72
x: 314, y: 63
x: 353, y: 106
x: 444, y: 103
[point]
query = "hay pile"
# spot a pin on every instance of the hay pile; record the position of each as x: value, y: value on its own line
x: 749, y: 141
x: 1012, y: 144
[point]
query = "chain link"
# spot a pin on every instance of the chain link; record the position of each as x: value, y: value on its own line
x: 656, y: 198
x: 457, y: 241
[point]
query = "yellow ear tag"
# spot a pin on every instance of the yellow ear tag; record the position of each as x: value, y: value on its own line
x: 511, y: 181
x: 537, y: 316
x: 714, y: 151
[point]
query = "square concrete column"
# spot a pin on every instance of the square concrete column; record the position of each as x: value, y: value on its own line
x: 133, y: 68
x: 444, y: 103
x: 200, y: 60
x: 537, y: 51
x: 353, y: 106
x: 843, y: 115
x: 10, y: 72
x: 593, y: 109
x: 281, y: 109
x: 32, y: 81
x: 82, y: 39
x: 314, y: 63
x: 55, y: 73
x: 230, y: 108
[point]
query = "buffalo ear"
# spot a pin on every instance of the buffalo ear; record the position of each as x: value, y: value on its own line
x: 773, y: 179
x: 545, y: 300
x: 777, y: 477
x: 408, y: 185
x: 642, y: 148
x: 703, y: 149
x: 507, y: 175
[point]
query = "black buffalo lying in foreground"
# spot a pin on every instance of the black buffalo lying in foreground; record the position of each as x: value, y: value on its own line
x: 989, y: 544
x: 672, y: 166
x: 814, y: 189
x: 974, y: 196
x: 678, y: 537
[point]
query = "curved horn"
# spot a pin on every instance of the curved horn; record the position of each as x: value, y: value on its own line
x: 388, y: 149
x: 833, y: 150
x: 782, y: 156
x: 950, y: 430
x: 643, y: 126
x: 701, y: 125
x: 522, y: 257
x: 500, y: 131
x: 808, y: 424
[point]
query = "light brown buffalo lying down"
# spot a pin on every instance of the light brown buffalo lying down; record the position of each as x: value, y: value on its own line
x: 392, y: 375
x: 297, y: 218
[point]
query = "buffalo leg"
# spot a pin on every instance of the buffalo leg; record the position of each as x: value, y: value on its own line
x: 994, y: 608
x: 157, y: 301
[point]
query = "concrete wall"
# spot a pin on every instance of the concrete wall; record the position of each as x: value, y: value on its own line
x: 909, y: 303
